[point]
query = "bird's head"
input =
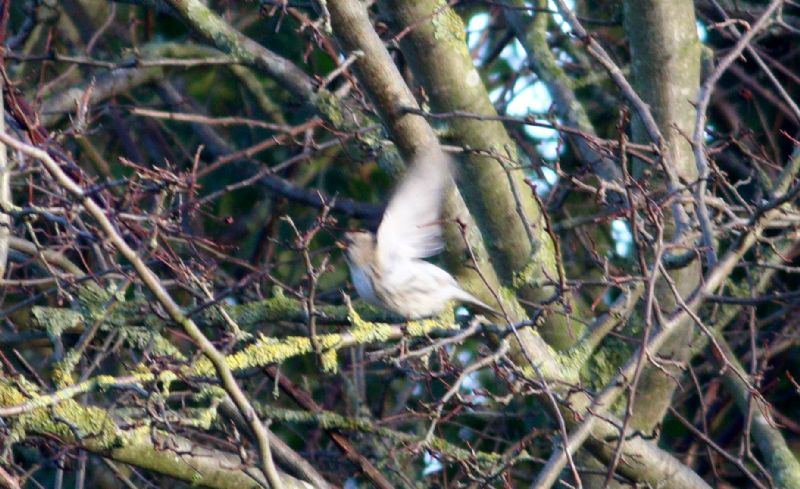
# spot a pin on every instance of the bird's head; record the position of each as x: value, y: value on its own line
x: 358, y: 246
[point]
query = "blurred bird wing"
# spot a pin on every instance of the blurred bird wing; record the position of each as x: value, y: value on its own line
x: 410, y: 227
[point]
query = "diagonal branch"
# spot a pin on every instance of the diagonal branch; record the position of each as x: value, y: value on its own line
x: 703, y: 99
x: 157, y: 288
x: 604, y: 401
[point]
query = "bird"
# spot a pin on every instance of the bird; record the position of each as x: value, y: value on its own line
x: 388, y: 268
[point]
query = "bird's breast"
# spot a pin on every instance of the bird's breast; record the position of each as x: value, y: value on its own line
x: 363, y: 285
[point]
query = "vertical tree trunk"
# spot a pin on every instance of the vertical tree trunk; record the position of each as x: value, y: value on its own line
x: 525, y: 259
x: 665, y: 67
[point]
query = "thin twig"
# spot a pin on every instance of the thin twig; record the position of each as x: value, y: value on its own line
x: 156, y: 287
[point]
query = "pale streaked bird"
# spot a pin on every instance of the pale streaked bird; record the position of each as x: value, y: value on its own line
x: 387, y: 268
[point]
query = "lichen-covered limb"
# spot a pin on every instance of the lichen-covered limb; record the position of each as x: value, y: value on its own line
x: 437, y: 51
x: 781, y: 461
x: 592, y: 409
x: 532, y: 34
x: 66, y: 420
x: 279, y: 307
x: 141, y: 328
x: 160, y: 293
x: 188, y: 461
x: 213, y: 28
x: 264, y: 351
x: 118, y: 81
x: 100, y: 382
x: 96, y: 431
x: 125, y: 317
x: 618, y: 313
x: 390, y: 94
x: 5, y: 196
x: 665, y: 70
x: 247, y: 316
x: 331, y: 420
x: 369, y: 326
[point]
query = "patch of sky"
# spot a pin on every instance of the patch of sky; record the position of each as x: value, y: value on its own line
x: 609, y: 296
x: 623, y: 239
x: 350, y: 484
x: 432, y: 464
x: 470, y: 382
x: 480, y: 21
x: 514, y: 54
x: 557, y: 18
x: 563, y: 56
x: 549, y: 149
x: 528, y: 95
x: 475, y: 27
x: 550, y: 176
x: 469, y: 385
x: 702, y: 31
x: 709, y: 134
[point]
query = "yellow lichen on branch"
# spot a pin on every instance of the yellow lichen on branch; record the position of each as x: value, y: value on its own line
x: 267, y: 351
x: 67, y: 419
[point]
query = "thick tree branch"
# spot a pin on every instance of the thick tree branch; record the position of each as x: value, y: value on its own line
x: 781, y: 461
x: 665, y: 69
x: 411, y: 133
x: 532, y: 34
x: 602, y: 403
x: 152, y: 281
x: 5, y: 193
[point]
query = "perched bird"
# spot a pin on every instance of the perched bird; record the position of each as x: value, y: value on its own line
x: 387, y: 268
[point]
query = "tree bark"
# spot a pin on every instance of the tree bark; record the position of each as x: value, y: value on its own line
x: 665, y: 67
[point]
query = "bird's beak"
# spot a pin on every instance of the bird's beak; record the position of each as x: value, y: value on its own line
x: 342, y: 245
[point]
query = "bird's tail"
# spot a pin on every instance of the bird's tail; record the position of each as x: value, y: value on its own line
x: 465, y: 296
